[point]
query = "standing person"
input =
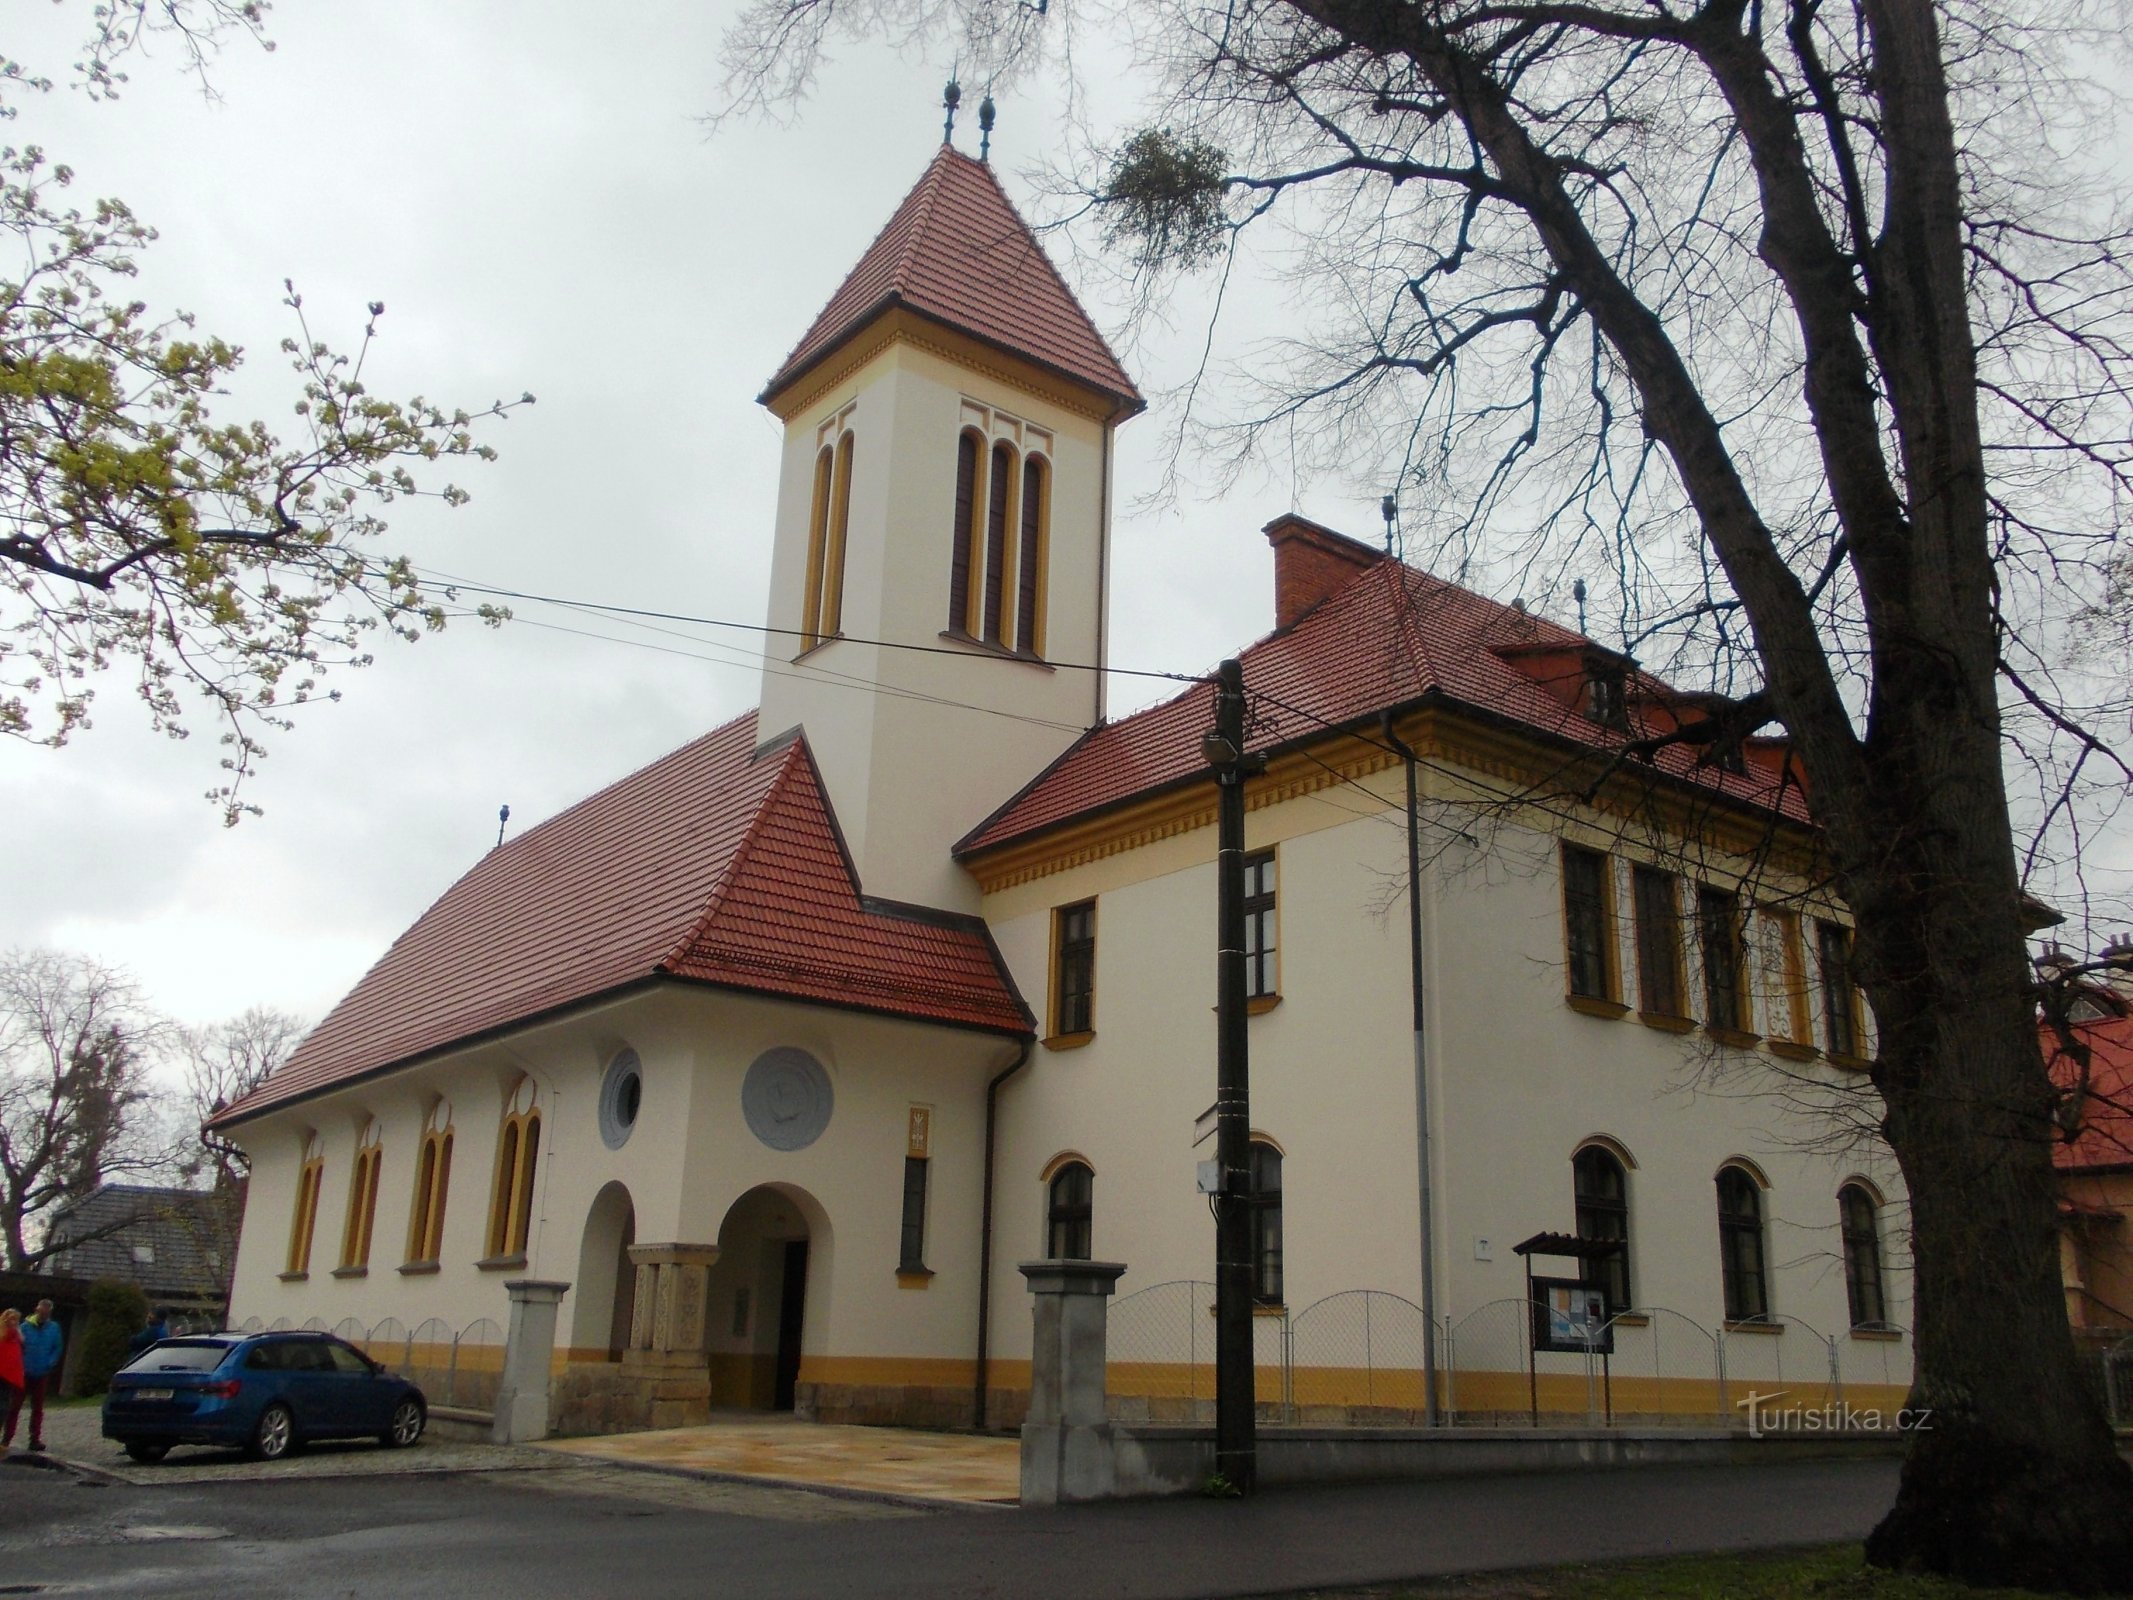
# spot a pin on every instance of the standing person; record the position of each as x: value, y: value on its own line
x: 42, y: 1343
x: 153, y: 1332
x: 11, y: 1384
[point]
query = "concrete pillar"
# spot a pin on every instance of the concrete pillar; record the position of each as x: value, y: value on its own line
x: 666, y: 1354
x: 529, y: 1355
x: 1066, y: 1443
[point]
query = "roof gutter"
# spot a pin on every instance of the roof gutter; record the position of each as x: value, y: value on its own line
x: 984, y: 1363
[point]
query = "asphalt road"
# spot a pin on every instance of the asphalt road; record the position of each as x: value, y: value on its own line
x: 587, y: 1535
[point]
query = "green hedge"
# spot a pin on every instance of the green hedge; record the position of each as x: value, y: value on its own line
x: 117, y: 1312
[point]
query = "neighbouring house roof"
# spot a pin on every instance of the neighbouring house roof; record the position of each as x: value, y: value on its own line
x: 958, y: 252
x: 2105, y: 1137
x: 718, y: 863
x: 176, y: 1243
x: 1389, y: 637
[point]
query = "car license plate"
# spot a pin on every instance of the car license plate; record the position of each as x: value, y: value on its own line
x: 154, y: 1394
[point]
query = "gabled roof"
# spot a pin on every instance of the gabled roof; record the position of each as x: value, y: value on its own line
x: 2105, y: 1137
x: 186, y: 1234
x: 717, y: 863
x: 1389, y: 637
x: 958, y: 252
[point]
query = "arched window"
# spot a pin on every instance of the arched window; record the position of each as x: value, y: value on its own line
x: 822, y: 609
x: 1861, y: 1222
x: 1070, y: 1213
x: 1601, y: 1189
x: 301, y: 1224
x: 362, y: 1200
x: 433, y: 1178
x: 1740, y: 1246
x: 1266, y: 1223
x: 1029, y: 561
x: 518, y: 1150
x: 999, y: 496
x: 967, y: 449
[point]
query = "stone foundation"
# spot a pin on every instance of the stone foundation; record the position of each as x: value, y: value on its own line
x: 594, y: 1397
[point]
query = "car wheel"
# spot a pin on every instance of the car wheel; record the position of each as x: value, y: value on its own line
x: 274, y: 1436
x: 147, y: 1451
x: 407, y: 1424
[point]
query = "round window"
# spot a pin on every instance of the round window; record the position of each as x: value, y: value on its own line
x: 621, y: 1094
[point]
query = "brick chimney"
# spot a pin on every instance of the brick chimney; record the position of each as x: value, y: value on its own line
x: 1310, y: 563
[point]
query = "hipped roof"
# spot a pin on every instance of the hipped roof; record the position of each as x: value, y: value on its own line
x: 1391, y: 636
x: 958, y: 252
x: 717, y: 863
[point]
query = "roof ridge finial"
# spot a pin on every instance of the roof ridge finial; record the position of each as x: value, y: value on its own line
x: 951, y: 97
x: 985, y: 120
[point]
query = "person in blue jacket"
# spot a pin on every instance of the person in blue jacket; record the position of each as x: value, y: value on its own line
x: 42, y: 1345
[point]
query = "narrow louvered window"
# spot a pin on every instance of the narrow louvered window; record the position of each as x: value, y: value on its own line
x: 832, y: 618
x: 966, y: 496
x: 1029, y: 565
x: 911, y: 1251
x: 433, y: 1178
x: 998, y: 490
x: 818, y: 525
x: 518, y: 1153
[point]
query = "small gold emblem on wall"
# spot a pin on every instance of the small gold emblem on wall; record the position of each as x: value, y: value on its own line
x: 919, y: 1134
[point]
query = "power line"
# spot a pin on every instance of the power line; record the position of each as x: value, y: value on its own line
x: 472, y: 587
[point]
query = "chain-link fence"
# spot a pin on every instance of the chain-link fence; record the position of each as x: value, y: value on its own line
x: 2118, y: 1383
x: 1359, y: 1358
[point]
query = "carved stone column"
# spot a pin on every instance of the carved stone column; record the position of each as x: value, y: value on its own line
x: 666, y: 1352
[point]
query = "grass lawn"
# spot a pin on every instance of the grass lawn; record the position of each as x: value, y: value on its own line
x: 1836, y: 1572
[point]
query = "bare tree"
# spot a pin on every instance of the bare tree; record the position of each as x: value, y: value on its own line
x: 223, y: 1064
x: 74, y: 1038
x: 1804, y: 328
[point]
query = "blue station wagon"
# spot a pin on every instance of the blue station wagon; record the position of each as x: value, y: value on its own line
x: 265, y: 1392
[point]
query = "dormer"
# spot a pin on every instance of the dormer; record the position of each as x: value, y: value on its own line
x: 1594, y: 682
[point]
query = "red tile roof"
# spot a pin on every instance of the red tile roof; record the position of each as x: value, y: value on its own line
x: 1387, y: 638
x: 715, y: 863
x: 957, y: 251
x: 2105, y: 1138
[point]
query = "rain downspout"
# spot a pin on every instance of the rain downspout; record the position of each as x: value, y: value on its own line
x: 992, y: 1091
x: 1422, y: 1165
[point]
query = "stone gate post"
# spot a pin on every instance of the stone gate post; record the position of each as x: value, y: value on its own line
x: 529, y: 1354
x: 1066, y: 1443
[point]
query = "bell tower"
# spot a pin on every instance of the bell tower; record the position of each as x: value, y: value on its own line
x: 942, y: 530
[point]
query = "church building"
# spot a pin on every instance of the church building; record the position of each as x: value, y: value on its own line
x: 784, y: 1050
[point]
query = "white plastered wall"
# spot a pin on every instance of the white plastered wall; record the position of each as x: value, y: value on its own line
x: 1519, y: 1079
x: 883, y: 754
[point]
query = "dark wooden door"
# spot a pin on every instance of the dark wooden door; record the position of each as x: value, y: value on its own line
x: 792, y: 1316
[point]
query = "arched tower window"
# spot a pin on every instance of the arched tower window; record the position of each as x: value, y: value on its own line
x: 1000, y: 549
x: 968, y: 448
x: 1861, y: 1220
x: 829, y: 516
x: 999, y: 496
x: 1601, y: 1189
x: 1029, y: 560
x: 1070, y: 1213
x: 1740, y: 1246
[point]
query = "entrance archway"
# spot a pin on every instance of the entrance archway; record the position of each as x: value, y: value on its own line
x: 606, y: 1287
x: 767, y: 1290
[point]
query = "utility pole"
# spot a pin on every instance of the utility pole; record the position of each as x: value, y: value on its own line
x: 1236, y: 1444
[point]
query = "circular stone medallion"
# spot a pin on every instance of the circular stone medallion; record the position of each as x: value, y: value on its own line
x: 786, y: 1098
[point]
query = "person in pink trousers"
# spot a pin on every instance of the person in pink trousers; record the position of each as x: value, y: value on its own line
x: 11, y: 1380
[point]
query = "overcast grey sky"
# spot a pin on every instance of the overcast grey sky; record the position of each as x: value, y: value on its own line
x: 528, y: 189
x: 527, y: 186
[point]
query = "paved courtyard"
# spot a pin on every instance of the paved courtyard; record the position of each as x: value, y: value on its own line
x: 900, y: 1462
x: 74, y: 1434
